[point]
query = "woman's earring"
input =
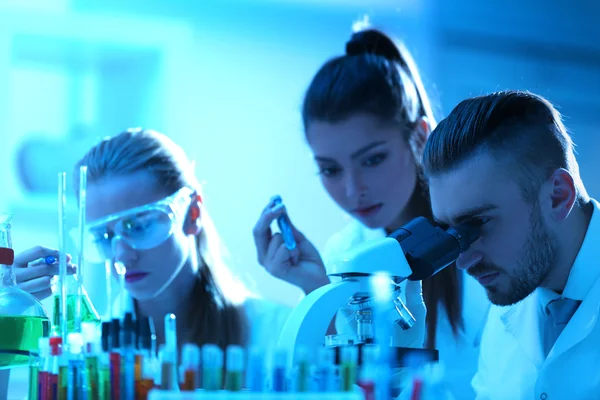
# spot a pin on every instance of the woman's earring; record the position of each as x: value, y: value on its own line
x: 195, y: 214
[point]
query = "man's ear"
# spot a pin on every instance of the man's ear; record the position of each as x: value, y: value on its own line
x: 193, y: 224
x: 562, y: 194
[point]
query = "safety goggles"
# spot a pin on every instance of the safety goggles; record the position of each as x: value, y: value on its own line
x: 141, y: 228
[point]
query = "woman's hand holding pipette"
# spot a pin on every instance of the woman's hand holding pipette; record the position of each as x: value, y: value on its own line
x: 34, y: 269
x: 302, y: 266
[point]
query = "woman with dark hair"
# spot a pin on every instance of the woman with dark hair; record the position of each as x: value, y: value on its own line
x: 366, y: 118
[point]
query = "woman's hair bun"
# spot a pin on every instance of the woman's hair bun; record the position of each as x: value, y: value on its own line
x: 373, y: 41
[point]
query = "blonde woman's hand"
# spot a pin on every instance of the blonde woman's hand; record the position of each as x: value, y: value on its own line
x: 34, y: 274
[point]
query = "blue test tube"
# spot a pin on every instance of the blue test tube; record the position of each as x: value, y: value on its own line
x: 285, y: 226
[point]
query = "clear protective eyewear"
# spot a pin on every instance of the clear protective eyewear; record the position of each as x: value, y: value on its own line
x: 141, y: 228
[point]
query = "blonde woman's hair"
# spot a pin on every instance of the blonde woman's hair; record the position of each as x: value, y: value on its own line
x: 217, y: 295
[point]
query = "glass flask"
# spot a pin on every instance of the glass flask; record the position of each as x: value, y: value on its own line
x: 88, y: 311
x: 77, y: 306
x: 23, y: 319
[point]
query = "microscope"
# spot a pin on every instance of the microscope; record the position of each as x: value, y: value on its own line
x: 415, y: 252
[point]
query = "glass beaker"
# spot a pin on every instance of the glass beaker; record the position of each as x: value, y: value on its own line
x: 23, y: 319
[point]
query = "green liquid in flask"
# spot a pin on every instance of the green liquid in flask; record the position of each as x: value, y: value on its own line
x: 19, y: 335
x: 88, y: 312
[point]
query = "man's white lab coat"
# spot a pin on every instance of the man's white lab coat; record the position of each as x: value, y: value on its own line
x: 512, y: 364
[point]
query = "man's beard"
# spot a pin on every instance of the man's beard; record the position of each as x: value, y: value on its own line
x: 537, y: 260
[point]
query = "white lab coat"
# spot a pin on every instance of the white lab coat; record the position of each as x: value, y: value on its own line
x: 458, y: 353
x: 512, y: 364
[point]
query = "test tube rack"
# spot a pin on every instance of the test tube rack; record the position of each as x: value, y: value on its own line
x: 247, y: 395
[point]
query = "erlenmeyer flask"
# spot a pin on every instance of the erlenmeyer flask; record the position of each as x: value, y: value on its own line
x: 79, y: 307
x: 88, y: 311
x: 23, y: 319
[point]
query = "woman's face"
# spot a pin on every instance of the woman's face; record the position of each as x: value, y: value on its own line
x: 366, y: 167
x: 148, y: 271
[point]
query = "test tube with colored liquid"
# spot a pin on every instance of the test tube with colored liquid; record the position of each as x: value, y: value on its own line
x: 349, y: 360
x: 104, y: 388
x: 279, y: 371
x: 302, y: 369
x: 145, y: 360
x: 45, y: 368
x: 368, y: 371
x: 128, y: 358
x: 212, y: 367
x: 235, y: 368
x: 148, y: 381
x: 190, y: 367
x: 63, y: 372
x: 35, y: 366
x: 285, y: 226
x: 77, y: 383
x: 255, y: 370
x: 168, y: 369
x: 115, y: 359
x: 168, y: 363
x: 55, y: 358
x: 139, y: 351
x: 92, y: 352
x: 326, y: 370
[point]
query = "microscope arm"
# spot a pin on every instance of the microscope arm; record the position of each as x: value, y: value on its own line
x: 308, y: 322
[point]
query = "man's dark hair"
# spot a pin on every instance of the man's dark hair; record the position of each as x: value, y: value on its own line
x: 518, y: 127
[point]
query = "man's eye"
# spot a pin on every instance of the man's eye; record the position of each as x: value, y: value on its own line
x: 479, y: 222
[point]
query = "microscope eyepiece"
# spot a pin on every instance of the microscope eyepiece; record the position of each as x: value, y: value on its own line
x: 429, y: 249
x: 465, y: 234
